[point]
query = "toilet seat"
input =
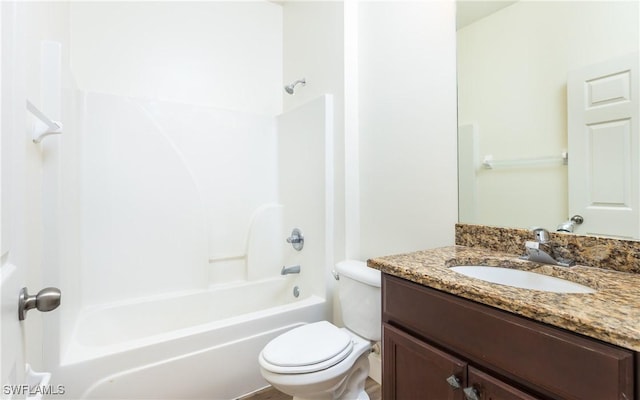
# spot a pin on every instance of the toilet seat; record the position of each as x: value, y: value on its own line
x: 309, y: 348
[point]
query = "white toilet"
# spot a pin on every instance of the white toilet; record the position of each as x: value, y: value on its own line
x: 322, y: 361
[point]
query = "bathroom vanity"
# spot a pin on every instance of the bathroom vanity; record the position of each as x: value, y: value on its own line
x: 439, y: 346
x: 449, y: 336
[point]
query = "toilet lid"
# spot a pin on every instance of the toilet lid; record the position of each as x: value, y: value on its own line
x: 308, y: 345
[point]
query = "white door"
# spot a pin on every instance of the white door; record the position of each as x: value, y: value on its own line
x: 604, y: 147
x: 12, y: 268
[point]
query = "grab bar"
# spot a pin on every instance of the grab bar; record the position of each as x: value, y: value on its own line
x: 490, y: 163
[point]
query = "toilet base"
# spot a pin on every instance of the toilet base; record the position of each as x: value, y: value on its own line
x: 343, y: 381
x: 351, y: 387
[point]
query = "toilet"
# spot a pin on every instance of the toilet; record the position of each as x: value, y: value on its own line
x: 320, y: 360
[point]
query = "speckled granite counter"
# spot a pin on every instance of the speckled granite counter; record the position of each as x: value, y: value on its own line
x: 612, y: 314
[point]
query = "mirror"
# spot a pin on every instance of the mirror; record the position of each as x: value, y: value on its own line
x: 513, y: 62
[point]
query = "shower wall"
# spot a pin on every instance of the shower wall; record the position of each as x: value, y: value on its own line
x: 166, y: 176
x: 169, y: 175
x: 306, y: 186
x: 169, y: 192
x: 178, y: 122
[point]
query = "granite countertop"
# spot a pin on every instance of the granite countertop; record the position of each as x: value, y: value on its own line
x: 612, y: 314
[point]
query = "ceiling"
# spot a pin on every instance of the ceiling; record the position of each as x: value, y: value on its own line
x: 468, y: 12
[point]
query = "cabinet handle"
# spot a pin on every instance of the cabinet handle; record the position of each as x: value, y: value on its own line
x: 454, y: 382
x: 471, y: 393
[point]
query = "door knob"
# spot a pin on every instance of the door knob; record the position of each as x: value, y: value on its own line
x: 577, y: 219
x: 46, y: 300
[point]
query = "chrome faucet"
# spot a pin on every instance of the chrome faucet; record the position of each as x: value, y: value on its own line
x: 541, y: 250
x: 294, y: 269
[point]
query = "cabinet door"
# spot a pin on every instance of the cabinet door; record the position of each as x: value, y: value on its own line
x: 414, y: 370
x: 487, y: 387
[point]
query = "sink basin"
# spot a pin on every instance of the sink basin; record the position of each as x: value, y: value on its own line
x: 522, y: 279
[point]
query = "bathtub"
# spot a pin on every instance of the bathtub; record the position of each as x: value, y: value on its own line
x: 197, y: 345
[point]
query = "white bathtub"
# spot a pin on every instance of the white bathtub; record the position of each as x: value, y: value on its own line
x: 201, y: 345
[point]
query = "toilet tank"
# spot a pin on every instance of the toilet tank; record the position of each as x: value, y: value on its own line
x: 359, y: 296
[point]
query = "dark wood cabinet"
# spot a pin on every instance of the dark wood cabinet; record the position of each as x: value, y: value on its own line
x: 416, y: 370
x: 488, y: 387
x: 429, y: 336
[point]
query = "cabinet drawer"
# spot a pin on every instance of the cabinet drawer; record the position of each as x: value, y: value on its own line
x: 490, y: 388
x: 550, y: 361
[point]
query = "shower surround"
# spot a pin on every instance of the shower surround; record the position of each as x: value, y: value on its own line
x: 184, y: 215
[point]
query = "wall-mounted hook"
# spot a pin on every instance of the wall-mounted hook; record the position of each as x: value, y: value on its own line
x: 50, y: 111
x: 44, y: 126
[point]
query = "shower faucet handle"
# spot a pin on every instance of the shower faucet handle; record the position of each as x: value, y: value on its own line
x: 296, y: 239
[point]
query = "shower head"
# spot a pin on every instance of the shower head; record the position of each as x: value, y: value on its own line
x: 291, y: 88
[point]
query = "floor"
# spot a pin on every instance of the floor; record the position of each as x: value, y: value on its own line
x: 372, y: 388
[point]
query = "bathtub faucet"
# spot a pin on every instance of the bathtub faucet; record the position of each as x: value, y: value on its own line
x: 295, y: 269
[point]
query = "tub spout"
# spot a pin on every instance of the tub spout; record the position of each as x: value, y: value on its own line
x: 295, y: 269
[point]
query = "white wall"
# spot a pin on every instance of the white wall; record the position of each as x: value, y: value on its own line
x: 512, y: 73
x: 223, y: 54
x: 407, y: 126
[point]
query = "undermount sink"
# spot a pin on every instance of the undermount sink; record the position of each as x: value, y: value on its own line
x: 521, y: 279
